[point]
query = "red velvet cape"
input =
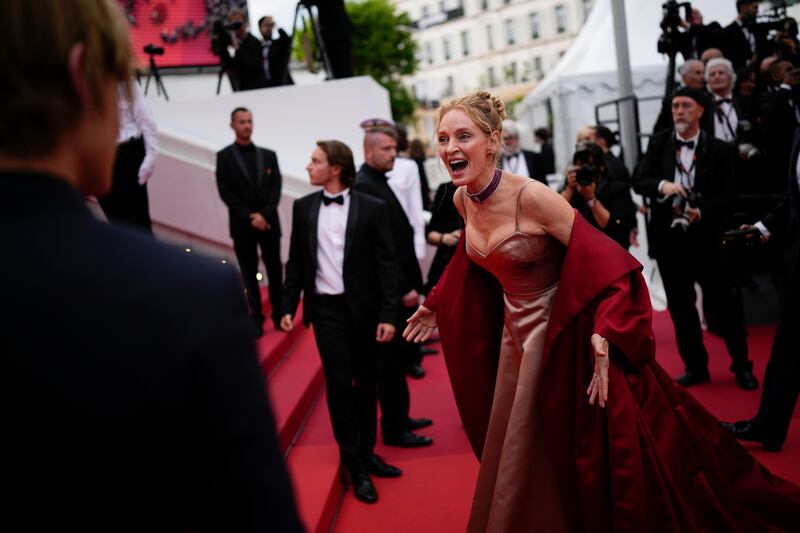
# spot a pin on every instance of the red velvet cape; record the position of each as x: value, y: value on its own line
x: 654, y: 459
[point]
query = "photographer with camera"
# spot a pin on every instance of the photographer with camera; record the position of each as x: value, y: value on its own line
x: 687, y: 174
x: 275, y: 53
x: 246, y: 67
x: 604, y: 202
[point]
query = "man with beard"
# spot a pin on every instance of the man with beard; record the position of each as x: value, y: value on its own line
x: 687, y: 176
x: 380, y: 151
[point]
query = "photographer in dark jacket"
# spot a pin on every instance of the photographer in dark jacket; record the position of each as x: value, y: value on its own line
x: 247, y: 64
x: 687, y: 174
x: 605, y: 203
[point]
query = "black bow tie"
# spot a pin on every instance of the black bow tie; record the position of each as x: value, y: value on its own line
x: 724, y: 101
x: 328, y: 200
x: 680, y: 144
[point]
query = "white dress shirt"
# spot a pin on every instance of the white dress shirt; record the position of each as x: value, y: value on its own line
x: 135, y: 121
x: 725, y: 124
x: 404, y: 182
x: 686, y: 156
x: 516, y: 164
x: 331, y: 234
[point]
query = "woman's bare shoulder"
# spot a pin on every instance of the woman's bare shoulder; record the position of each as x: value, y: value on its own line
x: 458, y: 200
x: 544, y: 209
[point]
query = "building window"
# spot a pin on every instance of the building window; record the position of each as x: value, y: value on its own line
x: 446, y: 48
x: 510, y: 31
x: 506, y: 2
x: 492, y: 77
x: 489, y: 39
x: 424, y: 11
x: 429, y: 53
x: 534, y: 19
x: 510, y: 73
x: 538, y: 73
x: 587, y: 8
x: 561, y: 18
x: 465, y: 42
x: 450, y: 88
x: 484, y: 5
x: 441, y: 7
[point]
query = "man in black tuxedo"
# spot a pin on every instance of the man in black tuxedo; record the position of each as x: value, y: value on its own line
x: 742, y: 39
x: 249, y: 182
x: 275, y: 53
x: 782, y: 377
x: 779, y: 116
x: 131, y: 395
x: 342, y: 259
x: 688, y: 175
x: 380, y: 151
x: 519, y: 161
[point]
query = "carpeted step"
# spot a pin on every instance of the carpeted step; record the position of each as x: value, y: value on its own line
x: 274, y: 345
x: 313, y: 463
x: 294, y: 384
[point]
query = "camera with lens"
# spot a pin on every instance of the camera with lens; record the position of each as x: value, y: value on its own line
x: 670, y: 24
x: 680, y: 217
x: 745, y: 140
x: 588, y: 171
x: 153, y: 50
x: 221, y: 37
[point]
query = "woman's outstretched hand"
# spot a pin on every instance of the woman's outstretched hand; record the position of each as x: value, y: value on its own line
x: 598, y: 388
x: 420, y: 325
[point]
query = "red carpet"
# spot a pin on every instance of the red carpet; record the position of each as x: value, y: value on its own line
x: 435, y: 491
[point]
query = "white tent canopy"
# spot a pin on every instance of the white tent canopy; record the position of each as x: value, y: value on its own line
x: 587, y: 74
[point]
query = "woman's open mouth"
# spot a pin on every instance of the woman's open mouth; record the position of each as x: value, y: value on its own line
x: 457, y: 167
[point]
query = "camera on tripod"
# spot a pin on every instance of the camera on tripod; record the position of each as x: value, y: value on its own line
x: 680, y: 217
x: 153, y: 50
x: 671, y: 22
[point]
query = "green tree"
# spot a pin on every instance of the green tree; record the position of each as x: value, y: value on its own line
x: 383, y: 48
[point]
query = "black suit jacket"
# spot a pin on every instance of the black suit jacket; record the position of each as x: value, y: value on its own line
x: 534, y: 163
x: 784, y: 220
x: 243, y: 194
x: 369, y: 268
x: 248, y: 64
x: 131, y: 395
x: 714, y: 181
x: 735, y: 46
x: 278, y: 59
x: 374, y: 183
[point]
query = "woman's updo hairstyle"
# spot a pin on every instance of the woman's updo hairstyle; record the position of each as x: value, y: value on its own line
x: 485, y: 110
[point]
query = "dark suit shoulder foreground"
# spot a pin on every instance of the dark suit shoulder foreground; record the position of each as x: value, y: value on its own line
x: 132, y: 397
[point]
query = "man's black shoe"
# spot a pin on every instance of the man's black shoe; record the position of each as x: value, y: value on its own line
x: 746, y: 380
x: 418, y: 423
x: 406, y: 439
x: 363, y: 488
x: 693, y: 377
x: 379, y: 468
x: 748, y: 431
x: 416, y: 371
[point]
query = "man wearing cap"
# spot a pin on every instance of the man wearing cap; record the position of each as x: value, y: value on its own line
x: 380, y: 152
x: 687, y: 174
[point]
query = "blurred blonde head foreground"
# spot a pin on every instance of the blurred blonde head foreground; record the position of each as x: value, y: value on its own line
x: 41, y: 97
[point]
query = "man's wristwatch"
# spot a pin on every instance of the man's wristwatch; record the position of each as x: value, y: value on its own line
x: 590, y: 202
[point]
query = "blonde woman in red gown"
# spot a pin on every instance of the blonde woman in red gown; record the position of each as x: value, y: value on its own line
x: 546, y: 328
